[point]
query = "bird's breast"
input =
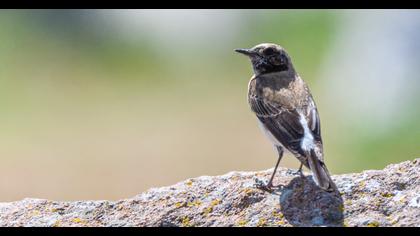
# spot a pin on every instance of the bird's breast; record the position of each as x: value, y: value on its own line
x: 292, y: 96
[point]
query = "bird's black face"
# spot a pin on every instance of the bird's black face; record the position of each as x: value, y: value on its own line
x: 267, y: 58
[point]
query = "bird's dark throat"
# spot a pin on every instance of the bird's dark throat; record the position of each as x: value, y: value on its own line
x: 266, y: 68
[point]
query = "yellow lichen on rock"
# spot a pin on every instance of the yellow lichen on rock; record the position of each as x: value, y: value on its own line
x: 78, y: 221
x: 209, y: 209
x: 35, y: 213
x: 373, y: 224
x: 387, y: 195
x: 186, y: 221
x: 179, y: 204
x: 242, y: 223
x: 57, y: 224
x: 347, y: 202
x: 262, y: 222
x: 277, y: 214
x: 281, y: 222
x: 392, y: 220
x: 346, y: 223
x: 215, y: 202
x: 342, y: 208
x: 194, y: 203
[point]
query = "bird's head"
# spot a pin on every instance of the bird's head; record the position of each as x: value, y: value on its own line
x: 268, y: 58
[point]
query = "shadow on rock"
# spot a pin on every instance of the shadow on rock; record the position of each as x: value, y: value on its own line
x: 303, y: 203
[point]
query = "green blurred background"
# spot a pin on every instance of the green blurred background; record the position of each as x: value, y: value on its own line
x: 104, y: 104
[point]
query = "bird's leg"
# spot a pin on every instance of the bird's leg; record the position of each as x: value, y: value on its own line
x: 299, y: 172
x: 268, y: 187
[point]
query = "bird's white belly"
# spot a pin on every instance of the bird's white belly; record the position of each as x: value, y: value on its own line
x: 268, y: 134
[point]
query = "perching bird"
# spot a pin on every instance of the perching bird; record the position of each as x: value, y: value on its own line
x: 286, y: 111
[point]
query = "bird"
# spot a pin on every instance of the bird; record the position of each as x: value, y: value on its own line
x: 286, y: 111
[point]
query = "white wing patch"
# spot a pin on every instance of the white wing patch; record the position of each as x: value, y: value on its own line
x: 312, y: 112
x: 307, y: 142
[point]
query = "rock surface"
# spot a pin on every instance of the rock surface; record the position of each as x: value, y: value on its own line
x: 389, y: 197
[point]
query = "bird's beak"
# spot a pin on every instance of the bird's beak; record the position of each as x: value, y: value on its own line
x: 245, y: 51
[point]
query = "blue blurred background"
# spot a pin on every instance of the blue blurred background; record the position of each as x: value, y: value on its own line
x: 104, y: 104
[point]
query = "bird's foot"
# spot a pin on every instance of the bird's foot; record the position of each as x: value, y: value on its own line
x: 293, y: 172
x: 267, y: 187
x: 298, y: 172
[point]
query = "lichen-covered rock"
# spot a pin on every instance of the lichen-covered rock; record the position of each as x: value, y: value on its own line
x: 389, y: 197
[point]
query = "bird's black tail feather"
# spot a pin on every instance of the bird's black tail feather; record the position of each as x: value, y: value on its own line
x: 320, y: 172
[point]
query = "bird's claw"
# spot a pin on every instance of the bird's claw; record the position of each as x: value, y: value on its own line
x: 267, y: 187
x: 298, y: 172
x: 260, y: 184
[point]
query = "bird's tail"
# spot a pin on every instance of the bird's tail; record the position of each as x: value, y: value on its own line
x: 320, y: 172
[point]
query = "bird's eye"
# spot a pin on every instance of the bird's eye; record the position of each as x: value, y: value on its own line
x: 269, y: 51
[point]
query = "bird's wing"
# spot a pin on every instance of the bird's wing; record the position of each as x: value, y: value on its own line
x: 285, y: 124
x: 312, y: 117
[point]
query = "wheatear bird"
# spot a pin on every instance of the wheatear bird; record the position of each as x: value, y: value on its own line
x: 286, y: 111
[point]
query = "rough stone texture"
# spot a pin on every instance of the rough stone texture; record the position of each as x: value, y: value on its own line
x: 389, y: 197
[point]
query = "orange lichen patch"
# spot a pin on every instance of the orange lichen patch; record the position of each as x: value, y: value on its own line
x: 189, y: 182
x: 259, y: 174
x: 248, y: 191
x: 235, y: 177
